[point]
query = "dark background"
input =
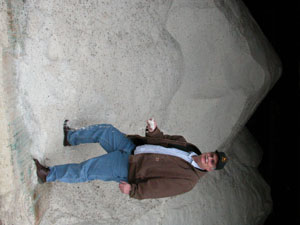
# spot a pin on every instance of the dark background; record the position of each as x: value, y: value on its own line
x: 275, y: 124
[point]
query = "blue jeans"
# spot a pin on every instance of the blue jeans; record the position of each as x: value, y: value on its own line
x: 112, y: 166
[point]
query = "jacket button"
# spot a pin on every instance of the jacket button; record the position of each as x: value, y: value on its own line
x: 157, y: 159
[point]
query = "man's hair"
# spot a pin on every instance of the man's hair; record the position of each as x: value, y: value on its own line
x: 222, y: 160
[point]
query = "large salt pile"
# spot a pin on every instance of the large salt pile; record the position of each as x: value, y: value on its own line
x: 200, y: 67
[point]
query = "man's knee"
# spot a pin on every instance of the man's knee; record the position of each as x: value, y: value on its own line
x: 104, y: 125
x: 111, y: 128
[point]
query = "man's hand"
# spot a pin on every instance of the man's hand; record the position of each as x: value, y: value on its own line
x: 124, y: 187
x: 151, y: 125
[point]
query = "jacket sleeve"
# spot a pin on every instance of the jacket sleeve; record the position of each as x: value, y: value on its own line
x: 161, y: 187
x: 159, y: 134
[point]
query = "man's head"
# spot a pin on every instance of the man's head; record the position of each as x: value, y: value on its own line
x: 212, y: 160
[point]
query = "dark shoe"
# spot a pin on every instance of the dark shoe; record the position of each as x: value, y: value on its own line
x: 41, y: 171
x: 66, y: 130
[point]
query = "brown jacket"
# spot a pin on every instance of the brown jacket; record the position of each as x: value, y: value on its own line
x: 158, y: 175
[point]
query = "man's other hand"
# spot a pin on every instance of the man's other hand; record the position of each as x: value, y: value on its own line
x: 124, y: 187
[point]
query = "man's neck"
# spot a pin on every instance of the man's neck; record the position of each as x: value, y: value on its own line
x: 196, y: 158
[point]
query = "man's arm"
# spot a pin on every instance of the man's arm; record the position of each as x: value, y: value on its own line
x: 153, y: 131
x: 161, y: 187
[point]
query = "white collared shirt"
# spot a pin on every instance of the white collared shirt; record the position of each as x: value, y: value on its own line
x: 157, y: 149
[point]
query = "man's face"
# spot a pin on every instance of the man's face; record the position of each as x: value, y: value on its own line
x: 207, y: 161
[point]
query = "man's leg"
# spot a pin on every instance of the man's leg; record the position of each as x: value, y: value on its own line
x: 110, y: 138
x: 109, y: 167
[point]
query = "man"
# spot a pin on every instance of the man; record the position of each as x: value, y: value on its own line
x: 154, y: 166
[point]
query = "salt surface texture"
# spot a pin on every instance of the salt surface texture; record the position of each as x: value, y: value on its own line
x: 204, y: 64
